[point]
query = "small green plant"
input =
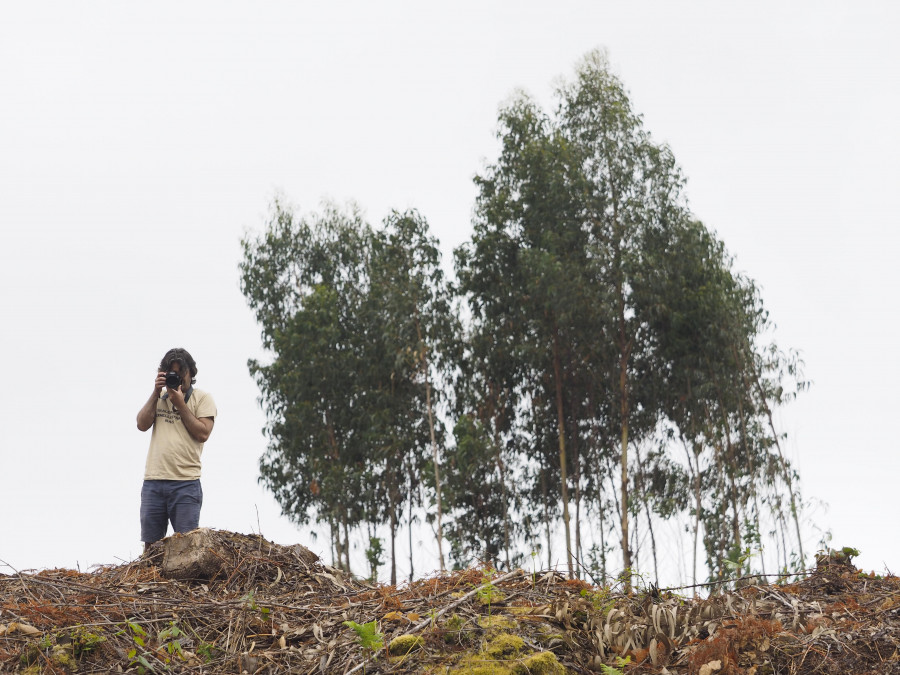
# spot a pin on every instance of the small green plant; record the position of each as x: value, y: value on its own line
x: 206, y: 650
x: 370, y: 639
x: 249, y: 601
x: 84, y: 642
x: 737, y: 560
x: 599, y: 599
x: 609, y: 670
x: 168, y: 639
x: 138, y: 636
x: 375, y: 557
x: 487, y: 593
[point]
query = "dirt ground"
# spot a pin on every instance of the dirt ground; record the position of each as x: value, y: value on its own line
x: 243, y: 604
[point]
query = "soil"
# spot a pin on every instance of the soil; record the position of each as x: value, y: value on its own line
x: 258, y: 607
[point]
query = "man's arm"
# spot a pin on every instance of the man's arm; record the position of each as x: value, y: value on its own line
x: 147, y: 414
x: 199, y: 428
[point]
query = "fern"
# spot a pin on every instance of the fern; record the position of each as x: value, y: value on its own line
x: 368, y: 636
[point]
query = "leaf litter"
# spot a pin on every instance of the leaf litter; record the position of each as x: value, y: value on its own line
x: 274, y: 609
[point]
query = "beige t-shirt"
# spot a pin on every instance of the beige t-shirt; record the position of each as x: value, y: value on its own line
x: 173, y: 454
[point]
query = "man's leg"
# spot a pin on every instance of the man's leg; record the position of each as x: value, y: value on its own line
x: 185, y: 500
x: 154, y: 517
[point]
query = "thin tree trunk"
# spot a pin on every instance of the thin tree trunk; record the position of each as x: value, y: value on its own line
x: 784, y: 468
x: 409, y: 521
x: 648, y: 514
x: 561, y: 429
x: 393, y: 509
x: 576, y: 460
x: 547, y: 517
x: 698, y: 503
x: 434, y: 448
x: 346, y: 541
x: 335, y: 543
x: 624, y: 351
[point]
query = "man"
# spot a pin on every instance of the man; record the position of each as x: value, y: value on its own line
x: 182, y: 419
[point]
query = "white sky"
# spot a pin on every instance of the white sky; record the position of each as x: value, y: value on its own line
x: 140, y: 141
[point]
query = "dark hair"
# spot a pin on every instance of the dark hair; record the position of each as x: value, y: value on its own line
x: 183, y: 358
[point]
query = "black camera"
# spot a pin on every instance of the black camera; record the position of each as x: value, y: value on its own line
x: 173, y: 380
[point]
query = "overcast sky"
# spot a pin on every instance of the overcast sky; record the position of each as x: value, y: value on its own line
x: 140, y: 141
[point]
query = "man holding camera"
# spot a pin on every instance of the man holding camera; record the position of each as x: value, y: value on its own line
x: 182, y: 419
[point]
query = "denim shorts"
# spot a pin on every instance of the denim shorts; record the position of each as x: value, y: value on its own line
x: 165, y: 501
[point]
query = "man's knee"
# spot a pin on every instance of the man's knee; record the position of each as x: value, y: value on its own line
x: 184, y: 509
x: 154, y: 516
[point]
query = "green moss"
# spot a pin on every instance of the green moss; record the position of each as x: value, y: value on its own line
x: 542, y: 663
x: 497, y: 622
x: 84, y: 641
x: 63, y: 656
x: 455, y: 623
x: 404, y: 644
x: 478, y: 665
x: 504, y: 646
x: 490, y: 596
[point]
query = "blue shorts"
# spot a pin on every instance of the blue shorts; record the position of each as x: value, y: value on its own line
x: 165, y: 501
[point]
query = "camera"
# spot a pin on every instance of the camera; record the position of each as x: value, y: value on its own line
x: 173, y: 380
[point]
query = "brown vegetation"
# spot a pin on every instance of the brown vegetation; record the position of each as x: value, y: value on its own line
x: 271, y: 609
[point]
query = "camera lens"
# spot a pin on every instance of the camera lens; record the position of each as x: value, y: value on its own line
x: 173, y: 379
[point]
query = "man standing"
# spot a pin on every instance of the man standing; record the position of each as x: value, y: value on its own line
x: 182, y: 419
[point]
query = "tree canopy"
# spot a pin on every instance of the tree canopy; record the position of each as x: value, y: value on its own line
x: 612, y: 370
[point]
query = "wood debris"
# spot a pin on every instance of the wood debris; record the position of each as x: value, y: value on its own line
x: 272, y: 609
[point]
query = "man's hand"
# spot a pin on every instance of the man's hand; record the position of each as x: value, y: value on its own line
x: 147, y: 414
x: 175, y: 395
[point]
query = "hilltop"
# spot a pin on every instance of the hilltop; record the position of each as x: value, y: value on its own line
x: 220, y: 602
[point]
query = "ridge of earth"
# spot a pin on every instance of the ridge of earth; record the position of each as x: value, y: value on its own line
x: 213, y: 601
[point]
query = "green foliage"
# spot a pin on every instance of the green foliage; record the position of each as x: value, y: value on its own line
x: 620, y: 662
x: 374, y: 556
x: 370, y: 639
x: 359, y: 326
x: 169, y: 640
x: 487, y: 593
x: 612, y: 359
x: 600, y: 599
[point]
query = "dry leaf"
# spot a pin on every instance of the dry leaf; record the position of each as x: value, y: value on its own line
x: 711, y: 667
x: 19, y: 626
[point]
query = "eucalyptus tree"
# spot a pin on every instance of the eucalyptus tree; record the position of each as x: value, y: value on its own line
x: 476, y: 492
x: 523, y: 271
x: 632, y: 208
x: 306, y: 280
x: 412, y: 307
x: 614, y: 313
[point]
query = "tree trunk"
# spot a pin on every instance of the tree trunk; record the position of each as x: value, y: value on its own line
x: 393, y: 510
x: 784, y: 468
x: 546, y: 517
x: 576, y: 460
x: 346, y: 541
x: 434, y: 448
x: 409, y: 523
x: 648, y: 514
x: 561, y: 429
x: 624, y: 353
